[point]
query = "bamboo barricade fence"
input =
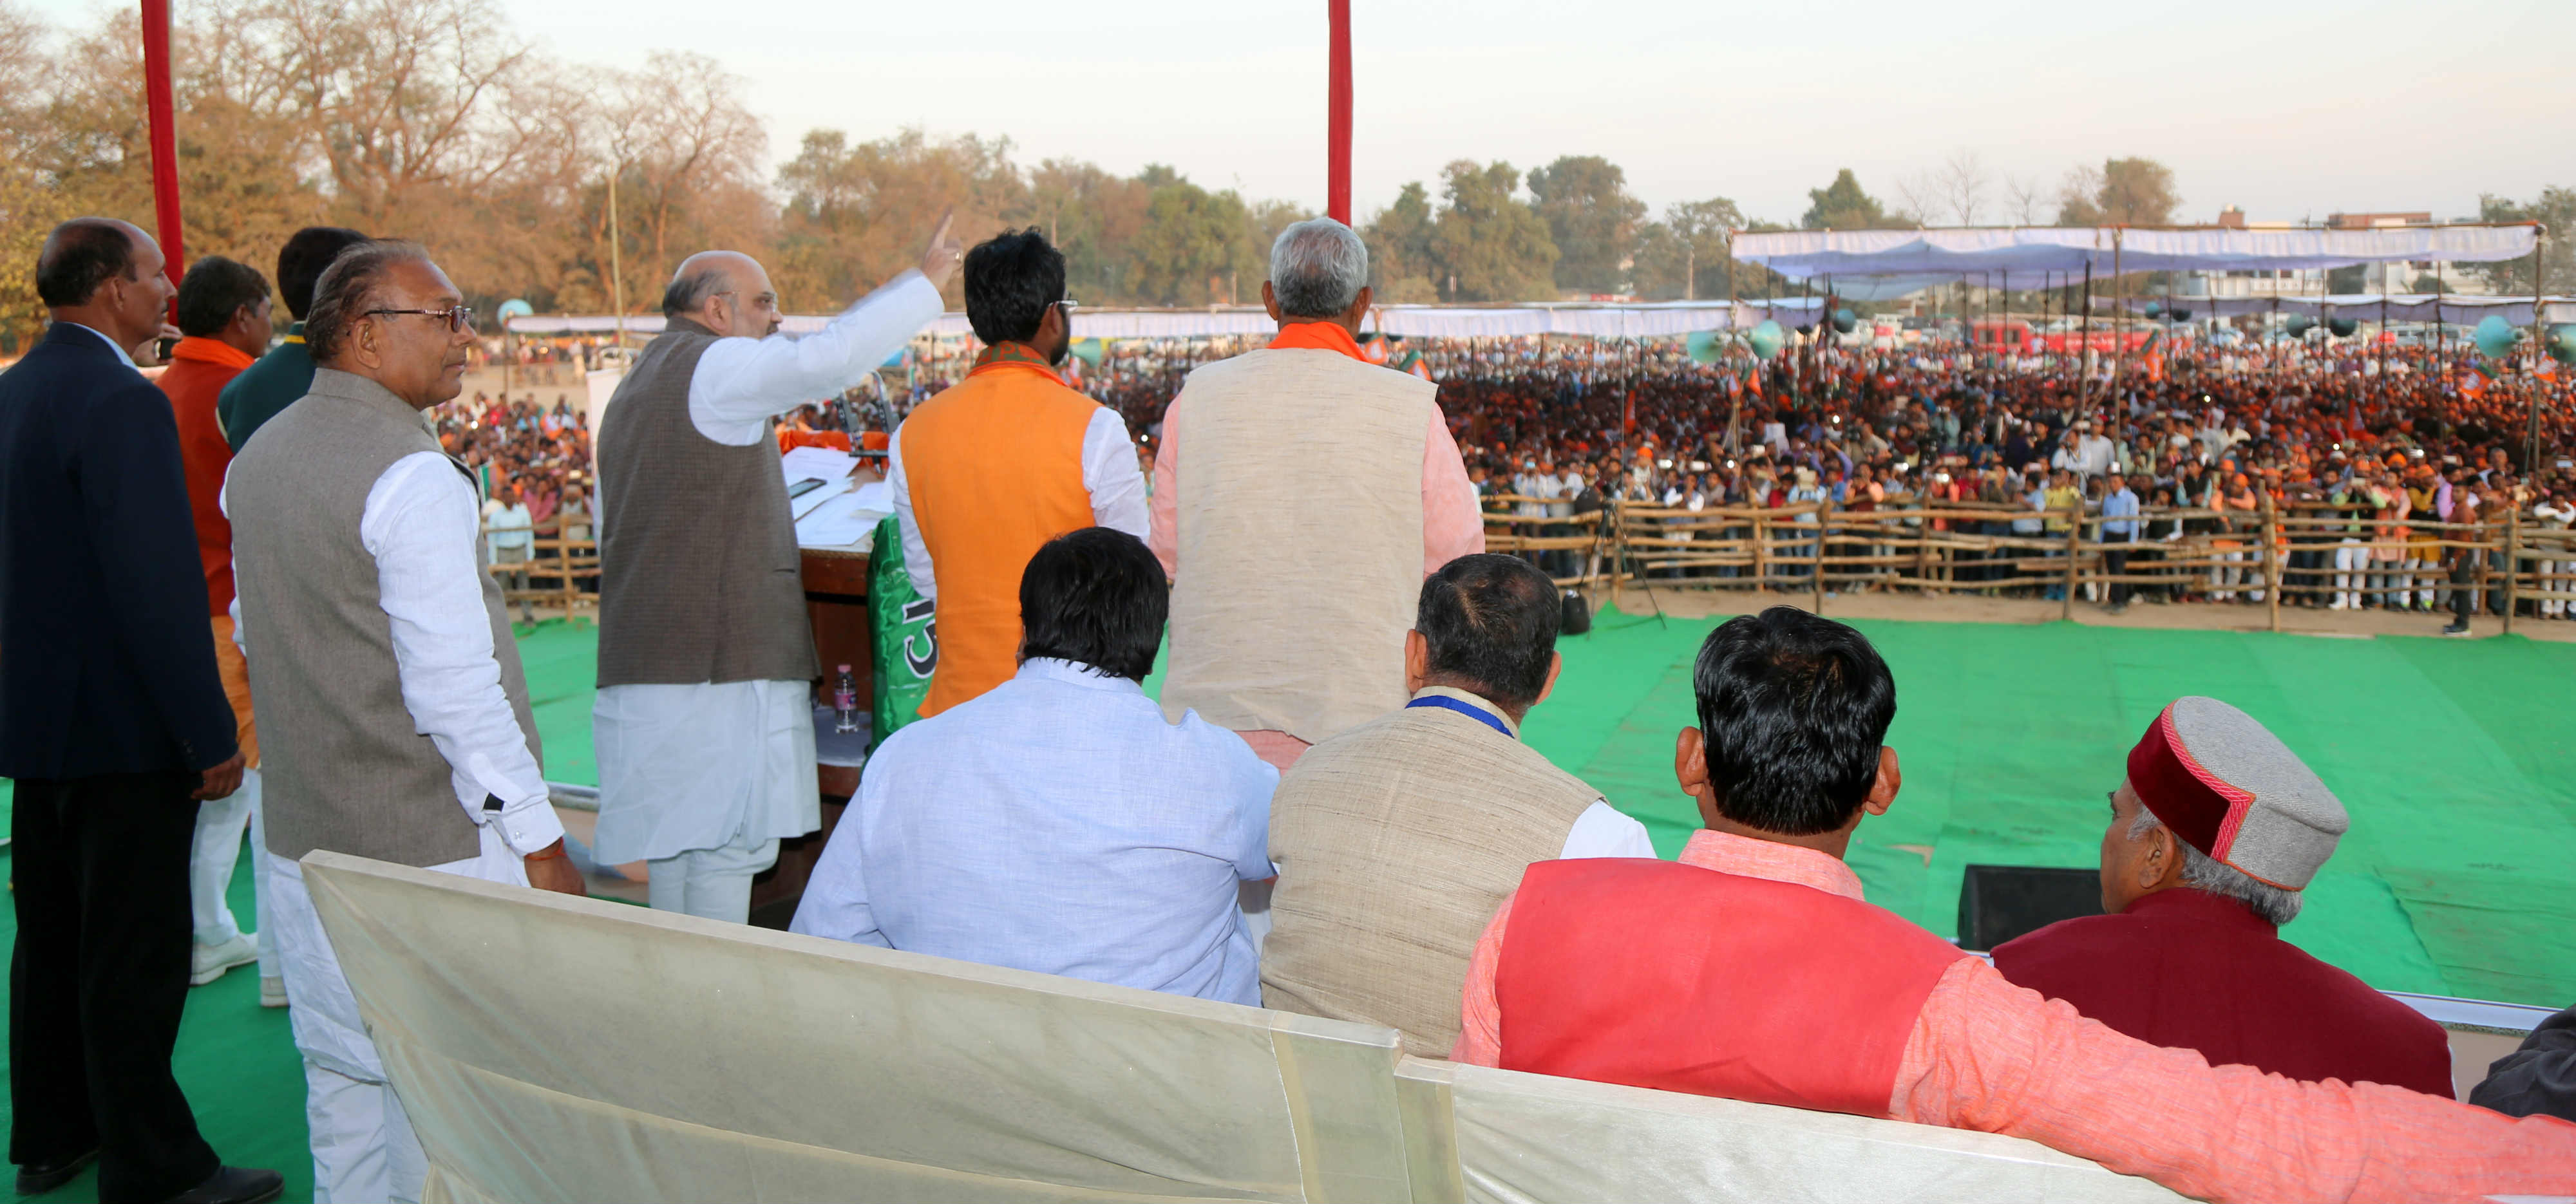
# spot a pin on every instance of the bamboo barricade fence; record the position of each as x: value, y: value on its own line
x: 560, y: 572
x: 2264, y: 556
x: 2297, y: 552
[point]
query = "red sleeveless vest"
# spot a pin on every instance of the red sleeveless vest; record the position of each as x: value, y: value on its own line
x: 1663, y: 975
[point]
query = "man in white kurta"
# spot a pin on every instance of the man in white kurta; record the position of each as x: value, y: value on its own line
x: 703, y: 726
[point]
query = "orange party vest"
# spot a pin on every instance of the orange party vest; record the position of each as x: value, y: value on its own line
x: 994, y: 468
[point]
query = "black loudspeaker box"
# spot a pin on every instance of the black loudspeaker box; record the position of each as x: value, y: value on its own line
x: 2000, y: 902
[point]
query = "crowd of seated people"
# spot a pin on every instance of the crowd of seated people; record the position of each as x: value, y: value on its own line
x: 2339, y: 429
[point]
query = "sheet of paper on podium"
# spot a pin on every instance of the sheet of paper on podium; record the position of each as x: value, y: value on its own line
x: 821, y: 463
x: 845, y: 519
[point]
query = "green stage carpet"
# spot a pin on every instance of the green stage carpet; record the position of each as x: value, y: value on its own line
x: 2454, y: 880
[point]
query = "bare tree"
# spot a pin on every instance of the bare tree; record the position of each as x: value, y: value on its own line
x: 681, y: 143
x: 2024, y: 199
x: 1962, y: 183
x: 1918, y: 193
x: 402, y: 96
x: 2079, y: 196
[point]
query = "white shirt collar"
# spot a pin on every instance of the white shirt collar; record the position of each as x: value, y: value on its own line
x: 102, y: 336
x: 1074, y: 673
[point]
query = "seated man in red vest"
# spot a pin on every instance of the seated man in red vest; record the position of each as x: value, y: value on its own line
x: 2214, y: 833
x: 1752, y: 969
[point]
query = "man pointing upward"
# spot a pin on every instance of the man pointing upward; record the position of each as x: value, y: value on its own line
x: 702, y: 727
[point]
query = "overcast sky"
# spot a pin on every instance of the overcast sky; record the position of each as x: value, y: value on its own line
x: 2289, y: 110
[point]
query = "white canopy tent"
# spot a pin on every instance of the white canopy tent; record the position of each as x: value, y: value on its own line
x: 2027, y: 256
x: 1643, y: 319
x: 2461, y: 309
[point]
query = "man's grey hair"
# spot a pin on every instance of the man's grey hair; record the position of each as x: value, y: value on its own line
x: 2202, y: 872
x: 352, y: 285
x: 1317, y: 269
x: 688, y: 292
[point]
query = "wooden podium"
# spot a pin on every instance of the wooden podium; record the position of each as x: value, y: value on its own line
x: 836, y: 607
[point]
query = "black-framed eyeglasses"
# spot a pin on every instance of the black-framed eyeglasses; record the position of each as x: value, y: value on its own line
x: 457, y: 317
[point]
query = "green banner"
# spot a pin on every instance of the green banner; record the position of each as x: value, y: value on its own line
x: 905, y: 640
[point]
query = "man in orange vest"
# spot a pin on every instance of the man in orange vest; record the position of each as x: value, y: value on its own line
x: 1753, y: 969
x: 985, y: 473
x: 224, y: 324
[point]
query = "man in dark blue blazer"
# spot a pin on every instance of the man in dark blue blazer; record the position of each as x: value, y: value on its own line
x: 114, y: 724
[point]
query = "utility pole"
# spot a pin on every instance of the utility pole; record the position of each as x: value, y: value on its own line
x: 616, y: 273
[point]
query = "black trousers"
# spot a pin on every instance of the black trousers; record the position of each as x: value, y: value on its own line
x: 99, y: 979
x: 2115, y: 561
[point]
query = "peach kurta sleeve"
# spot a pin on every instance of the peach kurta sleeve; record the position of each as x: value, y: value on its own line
x: 1452, y: 526
x: 1988, y: 1055
x: 1163, y: 533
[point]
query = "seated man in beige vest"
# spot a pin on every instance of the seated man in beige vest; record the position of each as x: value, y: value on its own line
x: 1317, y: 491
x: 1396, y: 840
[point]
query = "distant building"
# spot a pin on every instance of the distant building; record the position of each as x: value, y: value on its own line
x: 2376, y: 278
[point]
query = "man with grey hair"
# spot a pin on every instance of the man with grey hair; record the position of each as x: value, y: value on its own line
x: 1315, y: 493
x: 703, y: 727
x: 2214, y: 834
x: 393, y: 712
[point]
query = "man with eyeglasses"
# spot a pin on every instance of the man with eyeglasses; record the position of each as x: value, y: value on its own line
x: 369, y: 623
x: 702, y: 726
x: 988, y: 471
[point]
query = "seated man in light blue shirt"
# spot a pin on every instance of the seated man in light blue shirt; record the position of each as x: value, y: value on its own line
x: 1058, y: 823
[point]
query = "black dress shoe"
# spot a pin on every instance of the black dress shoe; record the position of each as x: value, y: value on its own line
x: 38, y: 1177
x: 234, y: 1185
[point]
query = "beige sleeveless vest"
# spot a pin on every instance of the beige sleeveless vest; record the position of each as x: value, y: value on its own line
x: 1299, y: 528
x: 1396, y: 841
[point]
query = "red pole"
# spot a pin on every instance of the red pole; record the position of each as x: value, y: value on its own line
x: 1337, y: 138
x: 165, y: 149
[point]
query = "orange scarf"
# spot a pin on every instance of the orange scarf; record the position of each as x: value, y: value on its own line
x: 1318, y: 336
x: 212, y: 351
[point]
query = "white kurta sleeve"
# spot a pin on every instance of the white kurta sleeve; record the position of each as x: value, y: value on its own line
x: 916, y: 554
x: 1605, y: 831
x: 742, y: 383
x: 1110, y: 474
x: 419, y: 524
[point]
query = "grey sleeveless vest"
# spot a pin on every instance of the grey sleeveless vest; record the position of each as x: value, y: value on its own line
x: 700, y: 580
x: 343, y: 766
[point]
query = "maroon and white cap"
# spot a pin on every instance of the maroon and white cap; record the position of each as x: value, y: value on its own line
x: 2229, y: 788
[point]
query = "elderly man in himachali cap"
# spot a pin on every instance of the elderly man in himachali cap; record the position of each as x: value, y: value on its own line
x: 2214, y: 834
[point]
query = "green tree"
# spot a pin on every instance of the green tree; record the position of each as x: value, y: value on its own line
x: 1195, y: 247
x: 856, y: 215
x: 1092, y: 216
x: 1401, y: 268
x: 1489, y: 244
x: 1842, y: 205
x: 2555, y: 209
x: 1685, y: 254
x: 1591, y: 218
x: 2137, y: 192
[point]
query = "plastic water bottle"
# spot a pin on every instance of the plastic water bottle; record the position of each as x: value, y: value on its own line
x: 845, y: 702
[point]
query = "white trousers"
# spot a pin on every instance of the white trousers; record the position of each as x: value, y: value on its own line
x: 364, y: 1151
x: 212, y: 859
x: 2352, y: 562
x: 711, y: 883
